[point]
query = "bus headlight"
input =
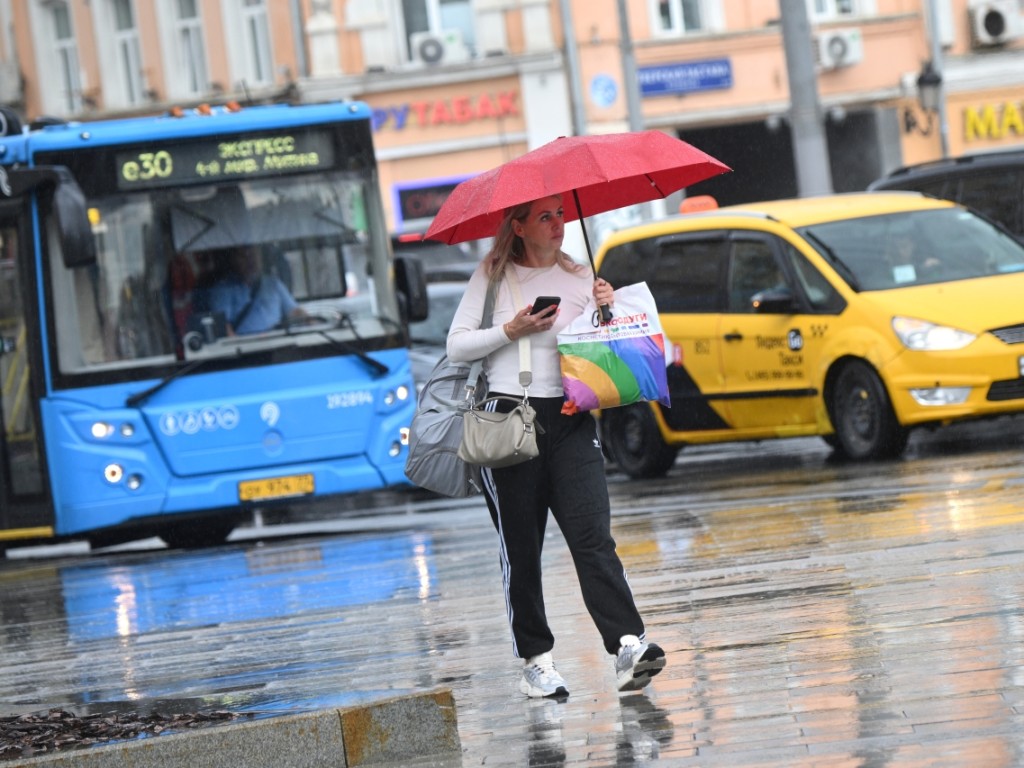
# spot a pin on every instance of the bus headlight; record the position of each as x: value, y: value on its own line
x: 101, y: 430
x: 404, y: 435
x: 113, y: 473
x: 394, y: 449
x: 398, y: 394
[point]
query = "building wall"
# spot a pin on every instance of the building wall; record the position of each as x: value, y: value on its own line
x: 724, y: 86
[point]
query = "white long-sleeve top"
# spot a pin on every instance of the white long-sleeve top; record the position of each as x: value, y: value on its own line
x: 468, y: 342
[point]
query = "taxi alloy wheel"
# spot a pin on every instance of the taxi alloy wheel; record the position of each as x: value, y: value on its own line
x: 634, y: 441
x: 865, y: 424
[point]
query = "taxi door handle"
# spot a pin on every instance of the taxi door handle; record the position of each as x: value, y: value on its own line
x: 734, y: 336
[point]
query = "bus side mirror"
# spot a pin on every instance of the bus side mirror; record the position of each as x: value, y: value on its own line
x: 68, y: 204
x: 410, y: 277
x: 77, y: 241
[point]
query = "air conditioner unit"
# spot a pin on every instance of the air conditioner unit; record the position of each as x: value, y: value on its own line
x: 839, y: 48
x: 434, y: 48
x: 995, y: 22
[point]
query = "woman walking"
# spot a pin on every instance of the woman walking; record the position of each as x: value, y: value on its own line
x: 568, y: 477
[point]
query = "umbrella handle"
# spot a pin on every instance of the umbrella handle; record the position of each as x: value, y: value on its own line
x: 606, y: 313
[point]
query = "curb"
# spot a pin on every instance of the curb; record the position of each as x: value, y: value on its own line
x: 390, y: 730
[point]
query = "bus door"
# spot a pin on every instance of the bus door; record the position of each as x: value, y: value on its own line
x: 25, y: 509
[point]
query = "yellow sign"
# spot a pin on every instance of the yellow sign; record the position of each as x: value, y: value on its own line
x: 993, y: 121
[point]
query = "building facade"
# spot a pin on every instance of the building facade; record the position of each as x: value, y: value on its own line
x: 459, y: 86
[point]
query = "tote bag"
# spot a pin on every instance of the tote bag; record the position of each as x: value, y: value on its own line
x: 605, y: 365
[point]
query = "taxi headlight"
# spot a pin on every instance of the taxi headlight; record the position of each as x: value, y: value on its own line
x: 940, y: 395
x: 928, y: 337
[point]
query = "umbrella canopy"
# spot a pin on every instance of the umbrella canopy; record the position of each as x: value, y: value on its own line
x: 600, y: 173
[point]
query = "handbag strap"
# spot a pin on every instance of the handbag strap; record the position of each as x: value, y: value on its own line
x: 525, y: 372
x: 485, y: 322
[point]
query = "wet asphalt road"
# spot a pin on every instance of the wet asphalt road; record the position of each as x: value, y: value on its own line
x: 814, y: 614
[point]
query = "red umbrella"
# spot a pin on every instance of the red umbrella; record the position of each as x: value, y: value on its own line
x: 602, y: 172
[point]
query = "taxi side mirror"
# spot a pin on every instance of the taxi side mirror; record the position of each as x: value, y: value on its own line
x: 774, y: 301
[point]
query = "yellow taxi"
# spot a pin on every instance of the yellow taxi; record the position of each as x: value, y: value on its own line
x: 855, y: 317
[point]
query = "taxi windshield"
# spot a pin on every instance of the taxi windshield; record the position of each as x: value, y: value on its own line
x: 907, y: 248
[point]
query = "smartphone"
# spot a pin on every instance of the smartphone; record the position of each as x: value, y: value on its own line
x: 543, y: 302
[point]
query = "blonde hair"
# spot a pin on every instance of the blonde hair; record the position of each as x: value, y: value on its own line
x: 508, y: 246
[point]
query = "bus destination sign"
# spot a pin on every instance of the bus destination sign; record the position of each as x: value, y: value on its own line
x: 224, y: 158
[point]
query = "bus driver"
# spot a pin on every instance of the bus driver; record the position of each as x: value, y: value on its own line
x: 251, y: 301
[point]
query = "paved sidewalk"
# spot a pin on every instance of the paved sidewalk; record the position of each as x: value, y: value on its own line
x: 813, y: 615
x: 821, y: 627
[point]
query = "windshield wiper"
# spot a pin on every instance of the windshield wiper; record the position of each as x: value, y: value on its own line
x: 140, y: 397
x: 379, y: 369
x: 830, y: 255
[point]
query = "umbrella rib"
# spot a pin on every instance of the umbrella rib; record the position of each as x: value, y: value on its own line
x: 655, y: 184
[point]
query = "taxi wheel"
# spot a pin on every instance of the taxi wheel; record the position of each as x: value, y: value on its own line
x: 635, y: 443
x: 865, y: 424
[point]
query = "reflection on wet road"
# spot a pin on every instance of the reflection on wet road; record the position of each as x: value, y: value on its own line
x: 814, y: 613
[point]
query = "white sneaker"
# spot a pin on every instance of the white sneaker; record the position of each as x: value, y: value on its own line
x: 637, y: 663
x: 541, y: 679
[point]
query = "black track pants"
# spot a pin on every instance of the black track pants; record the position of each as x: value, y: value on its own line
x: 569, y: 479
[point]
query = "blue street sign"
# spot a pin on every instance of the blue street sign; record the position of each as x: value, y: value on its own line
x: 685, y: 77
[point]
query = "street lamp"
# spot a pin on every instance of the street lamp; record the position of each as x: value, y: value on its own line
x: 929, y: 87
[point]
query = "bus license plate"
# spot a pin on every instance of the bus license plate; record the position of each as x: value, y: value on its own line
x: 275, y: 488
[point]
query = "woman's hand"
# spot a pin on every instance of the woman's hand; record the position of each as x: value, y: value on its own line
x: 524, y: 324
x: 604, y: 294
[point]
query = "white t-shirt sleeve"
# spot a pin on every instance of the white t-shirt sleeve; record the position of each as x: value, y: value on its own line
x: 467, y: 341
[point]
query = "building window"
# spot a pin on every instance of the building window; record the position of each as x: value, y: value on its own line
x: 129, y: 59
x: 831, y: 9
x: 259, y: 65
x: 188, y: 30
x: 454, y: 17
x: 681, y: 16
x: 66, y: 57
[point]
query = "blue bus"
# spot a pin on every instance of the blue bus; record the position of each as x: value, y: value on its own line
x: 137, y: 399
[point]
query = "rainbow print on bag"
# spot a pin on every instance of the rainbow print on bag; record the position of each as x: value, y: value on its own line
x: 619, y: 363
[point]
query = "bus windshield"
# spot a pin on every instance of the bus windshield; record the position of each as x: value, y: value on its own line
x: 218, y: 270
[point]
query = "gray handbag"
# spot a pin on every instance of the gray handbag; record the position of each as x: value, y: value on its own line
x: 492, y: 439
x: 436, y: 430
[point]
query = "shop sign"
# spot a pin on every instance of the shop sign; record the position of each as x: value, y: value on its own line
x: 685, y: 77
x: 994, y: 121
x: 457, y: 110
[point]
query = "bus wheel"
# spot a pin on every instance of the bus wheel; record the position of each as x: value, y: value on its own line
x: 196, y: 534
x: 865, y: 425
x: 635, y: 443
